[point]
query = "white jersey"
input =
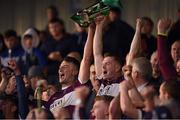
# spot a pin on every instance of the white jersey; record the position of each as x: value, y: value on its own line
x: 110, y: 88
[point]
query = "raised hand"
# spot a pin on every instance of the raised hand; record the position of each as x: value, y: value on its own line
x: 127, y: 69
x: 129, y: 83
x: 163, y: 25
x: 100, y: 20
x: 139, y: 24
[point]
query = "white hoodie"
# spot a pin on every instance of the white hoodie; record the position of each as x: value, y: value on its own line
x: 35, y: 39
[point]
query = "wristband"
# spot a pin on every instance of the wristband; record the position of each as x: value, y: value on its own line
x: 162, y: 34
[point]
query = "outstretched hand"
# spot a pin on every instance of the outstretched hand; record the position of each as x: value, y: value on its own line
x: 139, y: 24
x: 163, y: 25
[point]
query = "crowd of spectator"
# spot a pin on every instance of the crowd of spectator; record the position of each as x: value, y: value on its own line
x: 107, y: 71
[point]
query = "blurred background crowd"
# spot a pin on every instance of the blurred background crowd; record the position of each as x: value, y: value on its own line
x: 125, y: 65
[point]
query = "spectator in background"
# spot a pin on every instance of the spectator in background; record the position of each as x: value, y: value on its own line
x: 58, y: 45
x: 101, y: 107
x: 81, y: 36
x: 148, y: 40
x: 13, y: 51
x: 155, y: 65
x: 174, y: 33
x: 32, y: 55
x: 35, y: 74
x: 157, y: 78
x: 117, y: 34
x: 2, y: 44
x: 9, y: 107
x: 178, y: 14
x: 175, y: 51
x: 52, y: 13
x: 178, y: 67
x: 43, y: 36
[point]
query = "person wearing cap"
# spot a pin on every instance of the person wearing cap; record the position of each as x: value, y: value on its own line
x: 35, y: 74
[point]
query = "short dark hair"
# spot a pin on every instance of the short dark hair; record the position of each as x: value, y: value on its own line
x: 54, y: 9
x: 115, y: 56
x: 73, y: 61
x: 10, y: 33
x: 57, y: 20
x: 149, y: 20
x: 116, y: 10
x: 172, y: 87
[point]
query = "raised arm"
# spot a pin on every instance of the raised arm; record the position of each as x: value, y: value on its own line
x: 98, y: 45
x: 135, y: 96
x: 22, y: 96
x: 135, y: 48
x: 166, y: 66
x: 84, y: 72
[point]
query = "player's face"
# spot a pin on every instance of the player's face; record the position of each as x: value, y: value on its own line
x: 109, y: 67
x: 66, y: 72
